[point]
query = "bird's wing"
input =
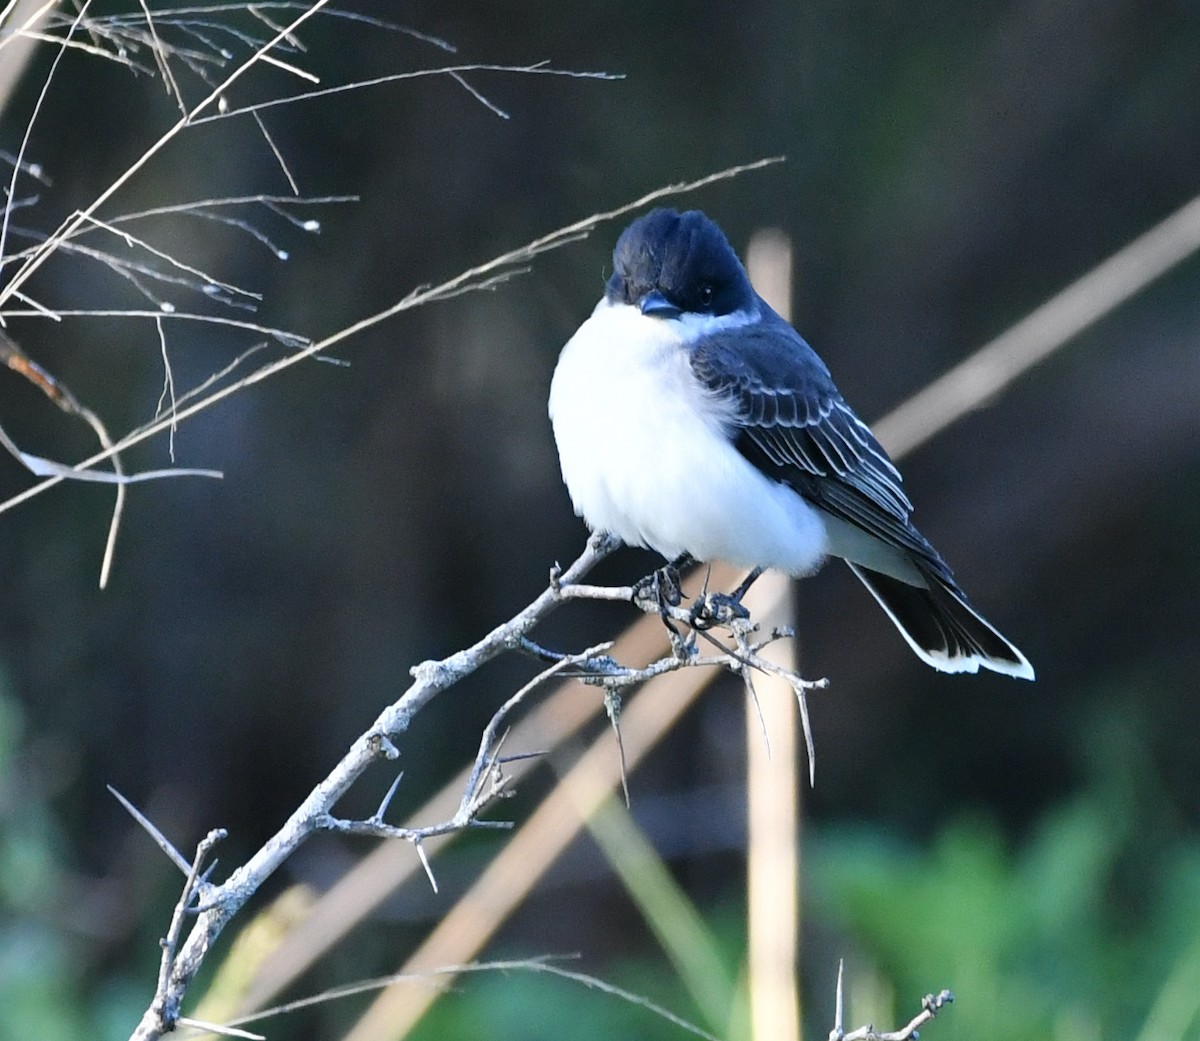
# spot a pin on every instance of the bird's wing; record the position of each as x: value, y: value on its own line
x: 792, y: 423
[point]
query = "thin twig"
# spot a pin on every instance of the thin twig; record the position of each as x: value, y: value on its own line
x: 489, y: 745
x: 453, y: 71
x: 276, y: 152
x: 286, y: 337
x: 71, y: 224
x: 182, y: 907
x: 931, y: 1005
x: 161, y: 59
x: 466, y: 280
x: 545, y: 964
x: 217, y: 1028
x: 222, y: 902
x: 20, y: 163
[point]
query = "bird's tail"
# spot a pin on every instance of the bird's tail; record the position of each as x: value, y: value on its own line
x: 942, y: 628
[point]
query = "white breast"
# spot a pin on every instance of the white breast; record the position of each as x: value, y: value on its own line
x: 646, y: 454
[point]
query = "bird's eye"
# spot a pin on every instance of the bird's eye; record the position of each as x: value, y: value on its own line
x: 706, y: 296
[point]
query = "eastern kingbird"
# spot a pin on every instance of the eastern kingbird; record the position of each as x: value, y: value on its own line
x: 692, y: 419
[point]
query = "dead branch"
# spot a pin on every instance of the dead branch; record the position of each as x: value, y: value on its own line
x: 221, y: 902
x: 216, y: 904
x: 931, y: 1005
x: 744, y: 657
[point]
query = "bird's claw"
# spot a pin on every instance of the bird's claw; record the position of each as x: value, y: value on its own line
x: 659, y: 590
x: 713, y: 609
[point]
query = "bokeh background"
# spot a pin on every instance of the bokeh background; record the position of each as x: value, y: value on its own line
x: 949, y: 168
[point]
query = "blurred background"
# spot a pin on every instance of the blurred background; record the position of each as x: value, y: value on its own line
x: 1034, y: 847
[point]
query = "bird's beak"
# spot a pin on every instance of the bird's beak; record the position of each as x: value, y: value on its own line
x: 657, y: 305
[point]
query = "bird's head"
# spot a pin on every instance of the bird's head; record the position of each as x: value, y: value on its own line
x: 669, y: 264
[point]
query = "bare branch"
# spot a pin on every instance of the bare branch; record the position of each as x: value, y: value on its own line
x: 192, y: 888
x: 453, y: 71
x: 486, y: 761
x: 222, y: 902
x: 743, y: 658
x: 931, y: 1005
x: 545, y: 965
x: 73, y: 223
x: 476, y: 277
x: 430, y: 678
x: 41, y: 467
x: 485, y: 783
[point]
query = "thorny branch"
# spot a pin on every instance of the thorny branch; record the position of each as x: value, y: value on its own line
x: 218, y: 903
x: 222, y: 902
x: 486, y: 783
x: 744, y: 657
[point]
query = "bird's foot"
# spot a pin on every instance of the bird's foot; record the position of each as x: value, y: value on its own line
x: 724, y: 609
x: 713, y: 609
x: 659, y: 591
x: 662, y: 589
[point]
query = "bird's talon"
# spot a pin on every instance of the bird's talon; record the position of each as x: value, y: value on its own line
x: 659, y: 590
x: 715, y: 609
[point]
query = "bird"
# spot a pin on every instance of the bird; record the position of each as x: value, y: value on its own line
x: 692, y: 419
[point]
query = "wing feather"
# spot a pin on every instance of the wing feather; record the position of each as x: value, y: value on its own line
x: 793, y: 424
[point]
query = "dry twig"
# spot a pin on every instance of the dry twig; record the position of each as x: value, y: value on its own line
x: 931, y: 1005
x: 219, y: 903
x: 222, y: 902
x: 546, y: 965
x: 744, y: 658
